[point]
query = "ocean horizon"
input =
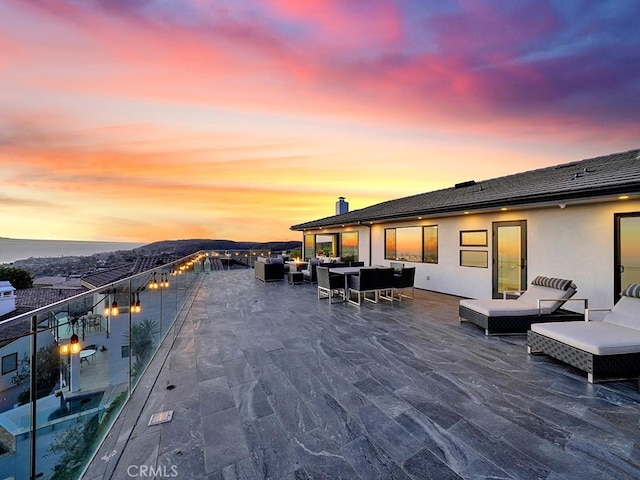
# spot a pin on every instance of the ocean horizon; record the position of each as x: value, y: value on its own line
x: 12, y: 249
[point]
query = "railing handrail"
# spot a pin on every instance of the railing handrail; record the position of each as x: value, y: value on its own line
x: 51, y: 306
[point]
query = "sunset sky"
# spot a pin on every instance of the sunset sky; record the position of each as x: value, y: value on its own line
x: 144, y: 120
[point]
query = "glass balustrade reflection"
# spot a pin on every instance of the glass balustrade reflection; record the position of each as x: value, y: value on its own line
x: 89, y: 353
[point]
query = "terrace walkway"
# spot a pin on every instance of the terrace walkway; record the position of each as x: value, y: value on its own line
x: 272, y: 383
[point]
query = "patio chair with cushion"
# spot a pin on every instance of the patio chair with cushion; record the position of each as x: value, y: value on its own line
x: 368, y: 281
x: 397, y: 266
x: 541, y: 302
x: 386, y: 281
x: 309, y: 274
x: 329, y: 284
x: 403, y: 282
x: 607, y: 349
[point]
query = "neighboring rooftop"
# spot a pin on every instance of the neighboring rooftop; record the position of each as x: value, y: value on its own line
x: 27, y: 300
x: 140, y: 264
x: 57, y: 282
x: 603, y: 176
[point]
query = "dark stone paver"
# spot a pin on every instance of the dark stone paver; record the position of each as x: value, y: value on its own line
x: 272, y: 383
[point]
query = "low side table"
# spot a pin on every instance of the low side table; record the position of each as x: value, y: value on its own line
x: 294, y: 277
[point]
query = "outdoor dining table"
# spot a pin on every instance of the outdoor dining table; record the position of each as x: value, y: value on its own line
x: 346, y: 271
x: 85, y: 355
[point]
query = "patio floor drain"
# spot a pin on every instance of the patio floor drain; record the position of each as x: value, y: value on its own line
x: 162, y: 417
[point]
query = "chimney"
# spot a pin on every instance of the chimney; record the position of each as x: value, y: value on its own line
x: 341, y: 206
x: 7, y: 298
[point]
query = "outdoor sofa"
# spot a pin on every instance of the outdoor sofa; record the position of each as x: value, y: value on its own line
x: 607, y: 349
x: 269, y: 269
x: 541, y: 302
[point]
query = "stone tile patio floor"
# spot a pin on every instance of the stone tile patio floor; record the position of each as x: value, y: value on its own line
x: 269, y: 382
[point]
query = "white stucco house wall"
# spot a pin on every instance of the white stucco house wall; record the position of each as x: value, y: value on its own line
x: 578, y: 221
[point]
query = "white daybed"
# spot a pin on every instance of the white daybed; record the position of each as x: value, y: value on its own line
x: 608, y: 349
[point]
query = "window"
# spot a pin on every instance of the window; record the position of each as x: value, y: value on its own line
x: 473, y: 238
x: 9, y: 363
x: 390, y: 243
x: 474, y: 258
x: 349, y: 246
x: 309, y: 246
x: 412, y: 244
x: 430, y: 239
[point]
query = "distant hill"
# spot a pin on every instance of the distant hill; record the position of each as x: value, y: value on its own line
x: 186, y: 247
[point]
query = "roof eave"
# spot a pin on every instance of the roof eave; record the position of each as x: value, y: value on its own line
x: 528, y: 200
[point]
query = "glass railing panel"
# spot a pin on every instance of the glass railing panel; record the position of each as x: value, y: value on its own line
x: 90, y: 352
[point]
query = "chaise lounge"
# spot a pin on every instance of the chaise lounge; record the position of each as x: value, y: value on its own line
x: 608, y: 349
x: 541, y: 302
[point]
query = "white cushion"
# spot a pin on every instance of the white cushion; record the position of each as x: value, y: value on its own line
x: 502, y: 308
x: 598, y: 338
x: 625, y: 313
x: 534, y: 292
x: 525, y: 304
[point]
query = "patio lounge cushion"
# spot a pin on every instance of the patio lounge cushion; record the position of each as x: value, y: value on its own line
x: 626, y: 313
x: 557, y: 283
x: 526, y: 304
x: 500, y: 308
x: 598, y: 338
x: 618, y: 333
x: 632, y: 290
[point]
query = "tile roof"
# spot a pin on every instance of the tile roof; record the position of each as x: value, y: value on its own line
x: 141, y: 264
x: 41, y: 297
x: 27, y: 300
x: 33, y: 298
x: 612, y: 174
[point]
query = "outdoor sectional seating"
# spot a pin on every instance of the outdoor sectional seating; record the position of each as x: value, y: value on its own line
x: 608, y: 349
x: 541, y: 302
x: 269, y: 270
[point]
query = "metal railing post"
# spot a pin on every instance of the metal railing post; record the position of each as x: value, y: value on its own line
x: 33, y: 394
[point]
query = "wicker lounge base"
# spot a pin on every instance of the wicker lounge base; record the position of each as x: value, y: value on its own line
x: 598, y: 367
x: 513, y: 324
